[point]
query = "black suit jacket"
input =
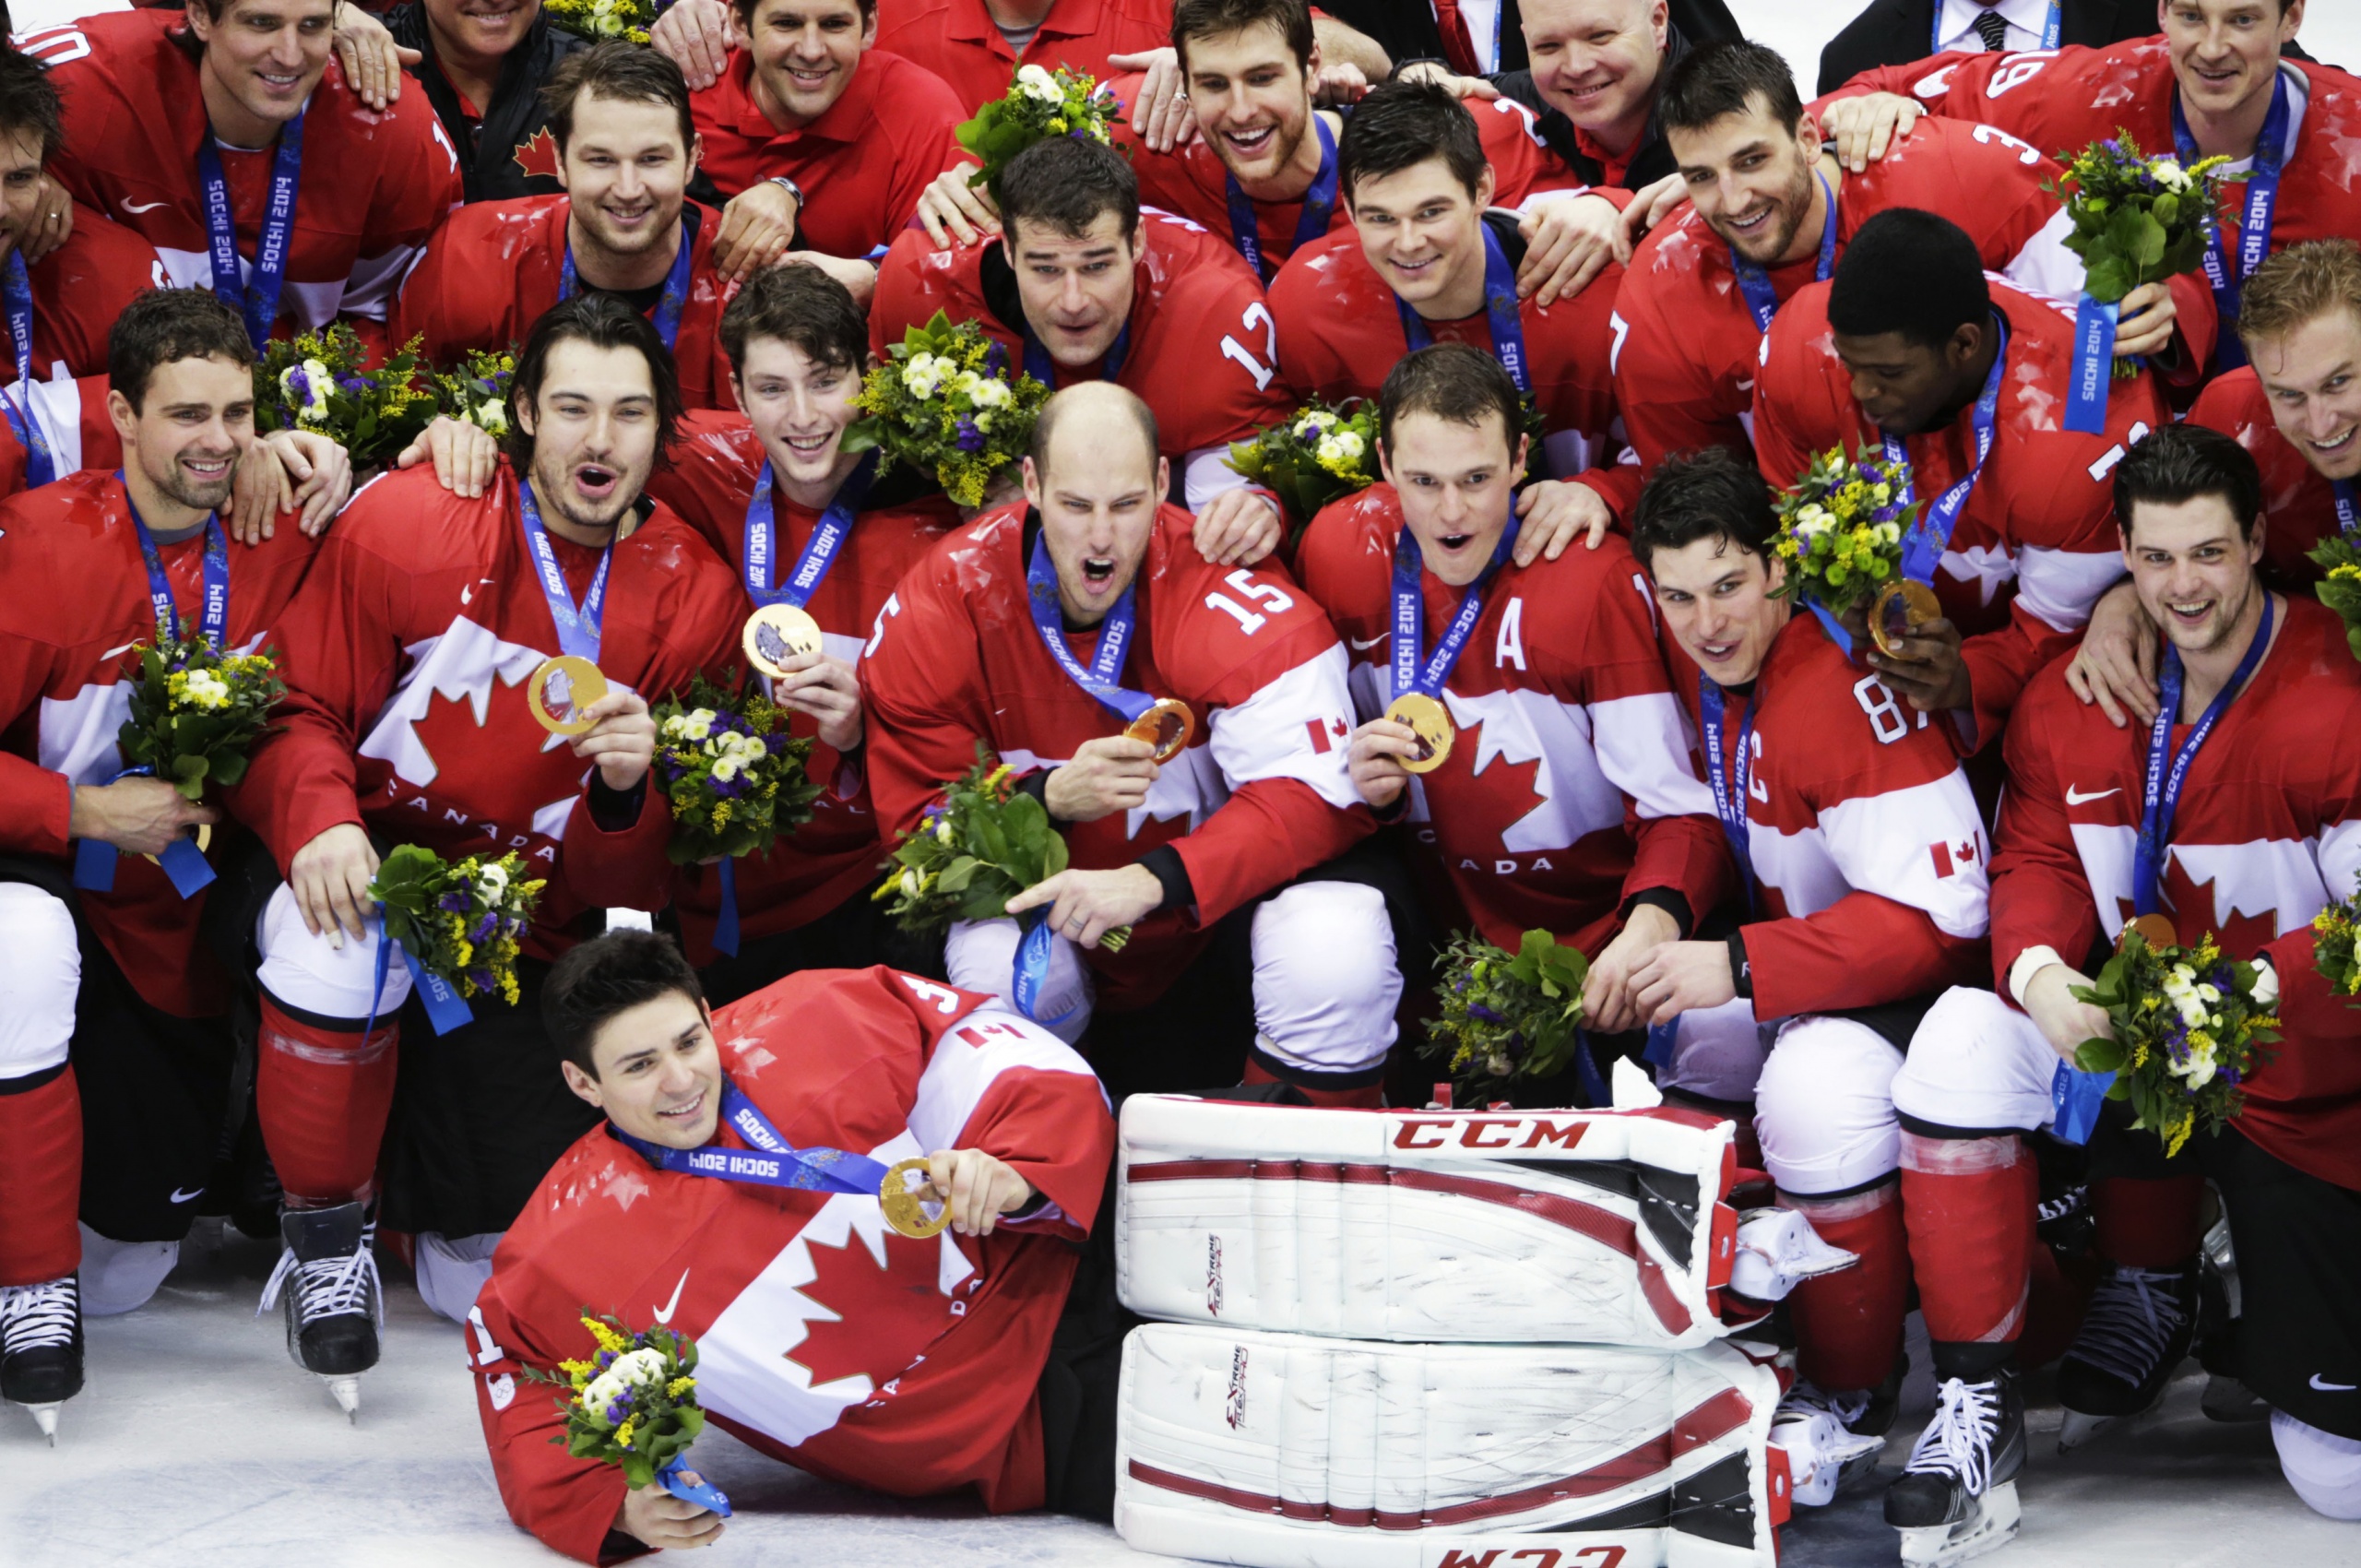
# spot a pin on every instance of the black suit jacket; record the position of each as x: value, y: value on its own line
x: 1894, y: 33
x: 489, y: 150
x: 1405, y: 29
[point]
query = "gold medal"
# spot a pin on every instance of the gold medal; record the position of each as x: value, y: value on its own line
x: 1901, y: 606
x: 1430, y: 721
x: 560, y: 689
x: 906, y: 1206
x: 2156, y: 929
x: 203, y: 842
x: 775, y: 634
x: 1167, y: 727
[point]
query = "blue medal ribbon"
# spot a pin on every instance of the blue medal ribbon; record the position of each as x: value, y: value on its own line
x: 1413, y: 670
x: 691, y: 1487
x: 2348, y: 506
x: 1754, y: 282
x: 676, y: 283
x: 17, y: 294
x: 260, y: 304
x: 1043, y: 369
x: 577, y: 626
x: 1319, y: 210
x: 446, y: 1008
x: 1500, y: 312
x: 1730, y: 781
x: 2229, y: 281
x: 2051, y: 31
x: 182, y: 860
x: 768, y: 1161
x: 2095, y: 325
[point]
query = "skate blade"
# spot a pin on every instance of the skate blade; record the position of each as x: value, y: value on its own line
x: 1992, y: 1526
x: 2079, y: 1431
x: 45, y: 1417
x: 347, y: 1394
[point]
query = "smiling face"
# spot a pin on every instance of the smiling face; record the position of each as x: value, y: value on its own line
x: 1750, y: 179
x: 1457, y: 482
x: 481, y: 29
x: 22, y: 185
x: 2312, y: 376
x: 1252, y: 100
x: 594, y: 430
x: 193, y: 426
x: 2193, y: 572
x: 799, y: 407
x: 627, y: 174
x: 1097, y: 493
x: 658, y: 1072
x: 1596, y: 61
x: 1716, y: 598
x: 805, y: 52
x: 1076, y: 288
x: 263, y: 57
x: 1422, y: 232
x: 2226, y: 52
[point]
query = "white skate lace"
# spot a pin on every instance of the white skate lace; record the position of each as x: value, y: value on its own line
x: 1806, y: 1399
x: 2132, y: 1318
x: 328, y: 1286
x: 37, y: 1317
x: 1958, y: 1441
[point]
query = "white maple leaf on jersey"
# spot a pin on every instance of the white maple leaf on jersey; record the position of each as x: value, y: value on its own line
x: 1990, y: 568
x: 1575, y: 797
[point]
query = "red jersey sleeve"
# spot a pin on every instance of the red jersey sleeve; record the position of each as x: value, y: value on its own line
x: 1664, y: 385
x: 920, y: 685
x: 569, y: 1503
x: 2041, y: 896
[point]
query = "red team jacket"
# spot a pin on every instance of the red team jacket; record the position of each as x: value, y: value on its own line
x: 958, y: 41
x: 2268, y: 830
x: 78, y: 290
x: 833, y: 855
x: 406, y: 656
x: 823, y: 1338
x: 1262, y: 792
x: 862, y: 165
x: 1340, y: 331
x: 1868, y: 856
x: 495, y: 268
x: 1202, y: 344
x: 76, y: 601
x: 373, y: 189
x: 1571, y: 785
x: 2298, y: 505
x: 2037, y: 544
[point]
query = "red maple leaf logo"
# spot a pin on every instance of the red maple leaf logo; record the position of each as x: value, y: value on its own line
x: 536, y: 155
x: 884, y: 1317
x: 496, y: 773
x: 2191, y: 906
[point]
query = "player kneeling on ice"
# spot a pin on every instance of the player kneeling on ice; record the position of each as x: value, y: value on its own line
x: 751, y: 1190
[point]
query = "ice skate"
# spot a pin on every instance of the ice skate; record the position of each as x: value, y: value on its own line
x: 41, y: 1347
x: 1825, y: 1455
x: 2139, y: 1325
x: 333, y: 1302
x: 1957, y: 1498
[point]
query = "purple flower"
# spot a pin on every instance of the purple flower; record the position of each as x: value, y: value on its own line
x: 995, y: 359
x: 353, y: 385
x: 970, y: 438
x: 484, y: 928
x: 299, y: 385
x: 1477, y: 1010
x: 453, y: 903
x: 483, y: 980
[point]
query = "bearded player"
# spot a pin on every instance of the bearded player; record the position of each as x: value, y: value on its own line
x: 409, y: 653
x: 2249, y: 787
x: 1043, y: 631
x: 773, y: 489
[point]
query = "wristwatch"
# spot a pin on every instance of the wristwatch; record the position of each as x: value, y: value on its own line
x: 792, y: 189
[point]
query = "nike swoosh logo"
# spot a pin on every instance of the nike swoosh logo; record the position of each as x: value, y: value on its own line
x: 181, y: 1198
x: 143, y: 206
x: 665, y: 1317
x: 2076, y: 798
x: 2334, y: 1387
x: 1360, y: 647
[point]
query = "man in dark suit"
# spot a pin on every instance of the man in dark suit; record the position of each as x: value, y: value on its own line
x: 1412, y: 30
x: 1894, y: 33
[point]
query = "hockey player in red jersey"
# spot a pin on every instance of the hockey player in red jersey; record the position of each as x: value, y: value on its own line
x: 1086, y: 285
x: 1038, y: 630
x: 2249, y: 789
x: 2215, y: 84
x: 626, y: 151
x: 1772, y: 209
x: 1965, y: 381
x: 1567, y: 799
x: 824, y: 1338
x: 408, y: 654
x: 775, y: 492
x: 1862, y: 858
x: 323, y: 202
x: 1425, y: 263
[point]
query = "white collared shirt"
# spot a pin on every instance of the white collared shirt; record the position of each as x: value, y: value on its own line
x: 2027, y: 20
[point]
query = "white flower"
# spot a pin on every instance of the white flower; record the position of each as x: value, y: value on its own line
x: 1344, y: 446
x: 2198, y: 1070
x: 924, y: 375
x: 725, y: 768
x: 1310, y: 426
x: 1811, y: 512
x: 492, y: 417
x: 695, y: 725
x: 943, y: 830
x: 492, y: 880
x: 634, y: 1369
x: 2266, y: 984
x: 990, y: 392
x: 2169, y: 174
x: 203, y: 688
x: 909, y: 882
x: 1035, y: 82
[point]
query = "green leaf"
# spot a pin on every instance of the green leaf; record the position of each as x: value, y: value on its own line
x: 2100, y: 1054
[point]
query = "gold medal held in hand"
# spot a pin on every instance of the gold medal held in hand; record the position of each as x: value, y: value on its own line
x: 906, y: 1206
x: 203, y: 842
x: 1167, y: 727
x: 1430, y: 721
x: 1901, y: 607
x: 775, y: 634
x: 2156, y: 929
x: 560, y: 689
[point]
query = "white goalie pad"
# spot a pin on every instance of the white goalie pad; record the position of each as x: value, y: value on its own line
x: 1287, y: 1451
x: 1593, y: 1227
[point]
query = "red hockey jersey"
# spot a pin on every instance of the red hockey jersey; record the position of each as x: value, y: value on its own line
x: 2268, y: 830
x: 1686, y: 342
x: 374, y: 187
x: 1572, y: 785
x: 1261, y: 793
x: 823, y: 1338
x: 76, y: 601
x: 78, y: 290
x: 1867, y: 852
x: 709, y: 482
x: 495, y: 268
x: 2298, y: 505
x: 1340, y: 331
x: 862, y: 165
x: 407, y: 657
x: 2037, y: 544
x: 1201, y: 347
x: 958, y: 41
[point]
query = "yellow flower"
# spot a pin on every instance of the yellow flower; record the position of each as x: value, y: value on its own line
x: 623, y: 1432
x: 678, y: 1387
x: 608, y: 1339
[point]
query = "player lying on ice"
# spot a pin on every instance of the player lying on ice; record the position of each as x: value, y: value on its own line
x: 825, y: 1338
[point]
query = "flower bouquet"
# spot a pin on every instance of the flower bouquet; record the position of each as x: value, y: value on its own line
x: 2339, y: 559
x: 196, y: 711
x: 734, y: 775
x: 2189, y: 1027
x: 460, y: 922
x: 986, y: 843
x: 1325, y: 453
x: 1506, y: 1017
x: 476, y: 389
x: 2336, y: 935
x: 597, y: 19
x: 320, y: 381
x: 944, y: 402
x: 1840, y: 535
x: 1039, y: 105
x: 634, y: 1404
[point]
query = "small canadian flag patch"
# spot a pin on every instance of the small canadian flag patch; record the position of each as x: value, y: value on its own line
x: 1952, y: 859
x: 1327, y: 733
